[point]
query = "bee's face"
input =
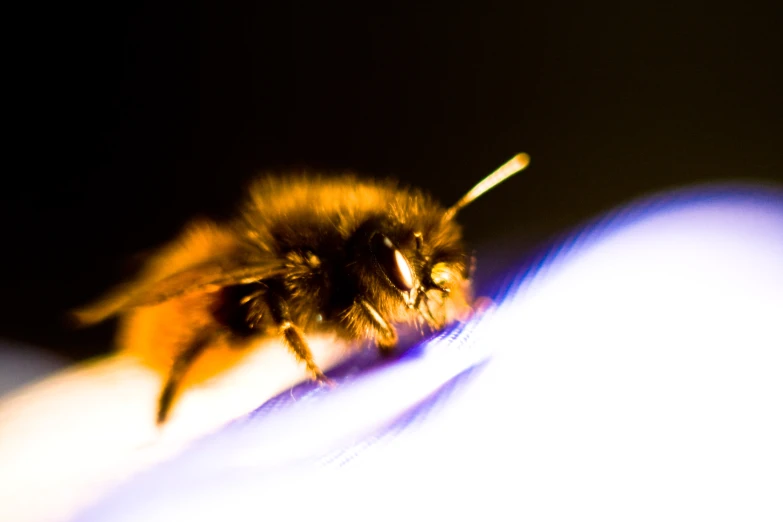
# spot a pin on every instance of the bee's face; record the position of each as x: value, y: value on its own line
x: 409, y: 274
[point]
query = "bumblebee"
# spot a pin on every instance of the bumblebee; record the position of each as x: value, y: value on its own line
x: 305, y: 255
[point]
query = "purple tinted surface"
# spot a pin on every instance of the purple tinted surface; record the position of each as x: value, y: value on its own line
x: 634, y: 405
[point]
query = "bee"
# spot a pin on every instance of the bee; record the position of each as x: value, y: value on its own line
x: 355, y: 258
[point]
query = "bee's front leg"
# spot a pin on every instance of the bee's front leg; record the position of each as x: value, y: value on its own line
x: 385, y: 333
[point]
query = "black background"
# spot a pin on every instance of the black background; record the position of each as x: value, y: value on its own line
x: 130, y: 118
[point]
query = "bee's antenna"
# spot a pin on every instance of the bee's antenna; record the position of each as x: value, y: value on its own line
x: 508, y: 169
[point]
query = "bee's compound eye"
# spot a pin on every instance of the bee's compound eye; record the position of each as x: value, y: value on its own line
x: 393, y: 262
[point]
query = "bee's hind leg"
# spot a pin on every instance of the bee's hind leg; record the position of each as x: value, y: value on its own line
x: 181, y: 365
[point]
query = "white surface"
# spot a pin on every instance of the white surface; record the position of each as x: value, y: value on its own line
x: 637, y: 376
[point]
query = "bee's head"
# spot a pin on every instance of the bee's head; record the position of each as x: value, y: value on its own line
x: 412, y: 270
x: 410, y: 264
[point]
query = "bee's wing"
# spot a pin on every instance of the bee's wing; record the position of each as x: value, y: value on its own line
x: 204, y: 277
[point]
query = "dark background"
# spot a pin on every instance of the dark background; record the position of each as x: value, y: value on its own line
x: 128, y: 118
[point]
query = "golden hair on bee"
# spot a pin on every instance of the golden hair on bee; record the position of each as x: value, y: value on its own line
x: 306, y: 254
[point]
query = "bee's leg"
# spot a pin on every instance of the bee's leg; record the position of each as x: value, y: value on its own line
x: 292, y: 336
x: 385, y: 333
x: 181, y: 365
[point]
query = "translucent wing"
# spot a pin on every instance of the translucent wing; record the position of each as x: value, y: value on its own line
x: 211, y: 275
